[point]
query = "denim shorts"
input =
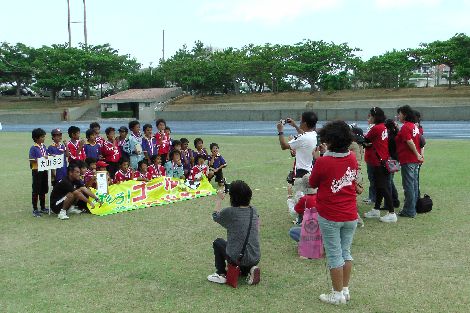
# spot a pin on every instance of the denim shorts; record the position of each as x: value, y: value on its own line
x: 337, y: 240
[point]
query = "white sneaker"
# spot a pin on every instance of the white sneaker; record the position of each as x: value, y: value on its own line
x: 333, y: 298
x: 346, y: 295
x: 62, y: 215
x: 372, y: 214
x: 389, y: 218
x: 216, y: 278
x: 73, y: 210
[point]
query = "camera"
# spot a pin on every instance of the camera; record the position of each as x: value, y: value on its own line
x: 285, y: 121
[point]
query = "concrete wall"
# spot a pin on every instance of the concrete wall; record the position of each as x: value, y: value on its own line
x: 30, y: 118
x: 77, y: 112
x: 448, y: 113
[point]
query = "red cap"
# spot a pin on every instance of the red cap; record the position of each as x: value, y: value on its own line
x: 101, y: 164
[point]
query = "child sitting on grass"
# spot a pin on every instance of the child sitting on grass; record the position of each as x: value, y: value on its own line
x: 40, y: 184
x: 90, y: 175
x: 174, y: 167
x: 124, y: 173
x: 200, y: 169
x: 200, y: 150
x: 216, y: 164
x: 156, y: 169
x: 142, y: 172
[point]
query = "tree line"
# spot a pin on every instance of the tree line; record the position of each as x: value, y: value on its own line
x: 253, y: 68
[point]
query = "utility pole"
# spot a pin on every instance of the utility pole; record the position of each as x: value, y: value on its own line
x: 163, y: 49
x: 84, y: 25
x: 68, y: 24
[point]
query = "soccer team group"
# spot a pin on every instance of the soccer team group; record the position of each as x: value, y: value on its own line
x: 131, y: 154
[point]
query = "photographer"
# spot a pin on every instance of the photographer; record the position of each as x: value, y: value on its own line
x: 236, y: 220
x: 303, y: 143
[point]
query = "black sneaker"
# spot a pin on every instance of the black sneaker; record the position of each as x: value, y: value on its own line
x: 36, y: 213
x: 45, y: 210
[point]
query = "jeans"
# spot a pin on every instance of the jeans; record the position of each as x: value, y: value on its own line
x: 294, y: 233
x: 370, y: 176
x: 337, y: 240
x: 409, y: 175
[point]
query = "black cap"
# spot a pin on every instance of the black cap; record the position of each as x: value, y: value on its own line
x: 123, y: 129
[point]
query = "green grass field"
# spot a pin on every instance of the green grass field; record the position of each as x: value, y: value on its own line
x: 157, y: 259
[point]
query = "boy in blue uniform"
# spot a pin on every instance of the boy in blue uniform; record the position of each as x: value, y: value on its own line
x: 58, y: 148
x: 216, y: 164
x: 92, y: 148
x: 40, y: 185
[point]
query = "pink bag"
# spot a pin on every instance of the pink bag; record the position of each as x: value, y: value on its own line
x: 310, y: 243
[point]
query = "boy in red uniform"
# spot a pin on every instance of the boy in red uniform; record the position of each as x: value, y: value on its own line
x: 75, y: 145
x: 156, y: 169
x: 163, y: 140
x: 200, y: 169
x: 142, y: 172
x: 40, y: 184
x: 110, y: 151
x: 124, y: 173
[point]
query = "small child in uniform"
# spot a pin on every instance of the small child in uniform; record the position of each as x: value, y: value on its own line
x: 92, y: 148
x: 200, y: 150
x: 200, y: 169
x: 149, y: 143
x: 187, y: 157
x: 75, y: 145
x: 174, y: 167
x: 110, y: 151
x: 156, y: 169
x: 125, y: 172
x: 58, y: 148
x: 90, y: 175
x: 142, y: 172
x: 216, y: 164
x: 40, y: 181
x: 95, y: 126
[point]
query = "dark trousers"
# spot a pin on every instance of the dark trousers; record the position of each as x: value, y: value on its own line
x: 382, y: 190
x: 221, y: 257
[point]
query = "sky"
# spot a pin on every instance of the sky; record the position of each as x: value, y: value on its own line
x: 136, y: 27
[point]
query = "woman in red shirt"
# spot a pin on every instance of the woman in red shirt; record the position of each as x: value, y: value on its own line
x: 409, y: 155
x: 376, y: 153
x: 335, y: 176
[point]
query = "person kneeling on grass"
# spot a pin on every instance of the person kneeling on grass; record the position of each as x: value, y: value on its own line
x: 68, y: 191
x: 236, y: 220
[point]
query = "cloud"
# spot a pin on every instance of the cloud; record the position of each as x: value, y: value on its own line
x: 393, y: 4
x: 270, y: 12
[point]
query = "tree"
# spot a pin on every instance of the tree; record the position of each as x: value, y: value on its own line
x: 453, y: 52
x: 313, y: 60
x: 393, y: 69
x: 15, y: 65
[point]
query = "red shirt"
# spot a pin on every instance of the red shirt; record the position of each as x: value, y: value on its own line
x: 335, y: 178
x: 409, y: 131
x: 138, y: 174
x: 163, y: 142
x: 121, y: 176
x: 197, y: 171
x: 110, y: 151
x: 74, y: 153
x: 308, y: 201
x: 156, y: 170
x: 99, y: 140
x: 378, y: 136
